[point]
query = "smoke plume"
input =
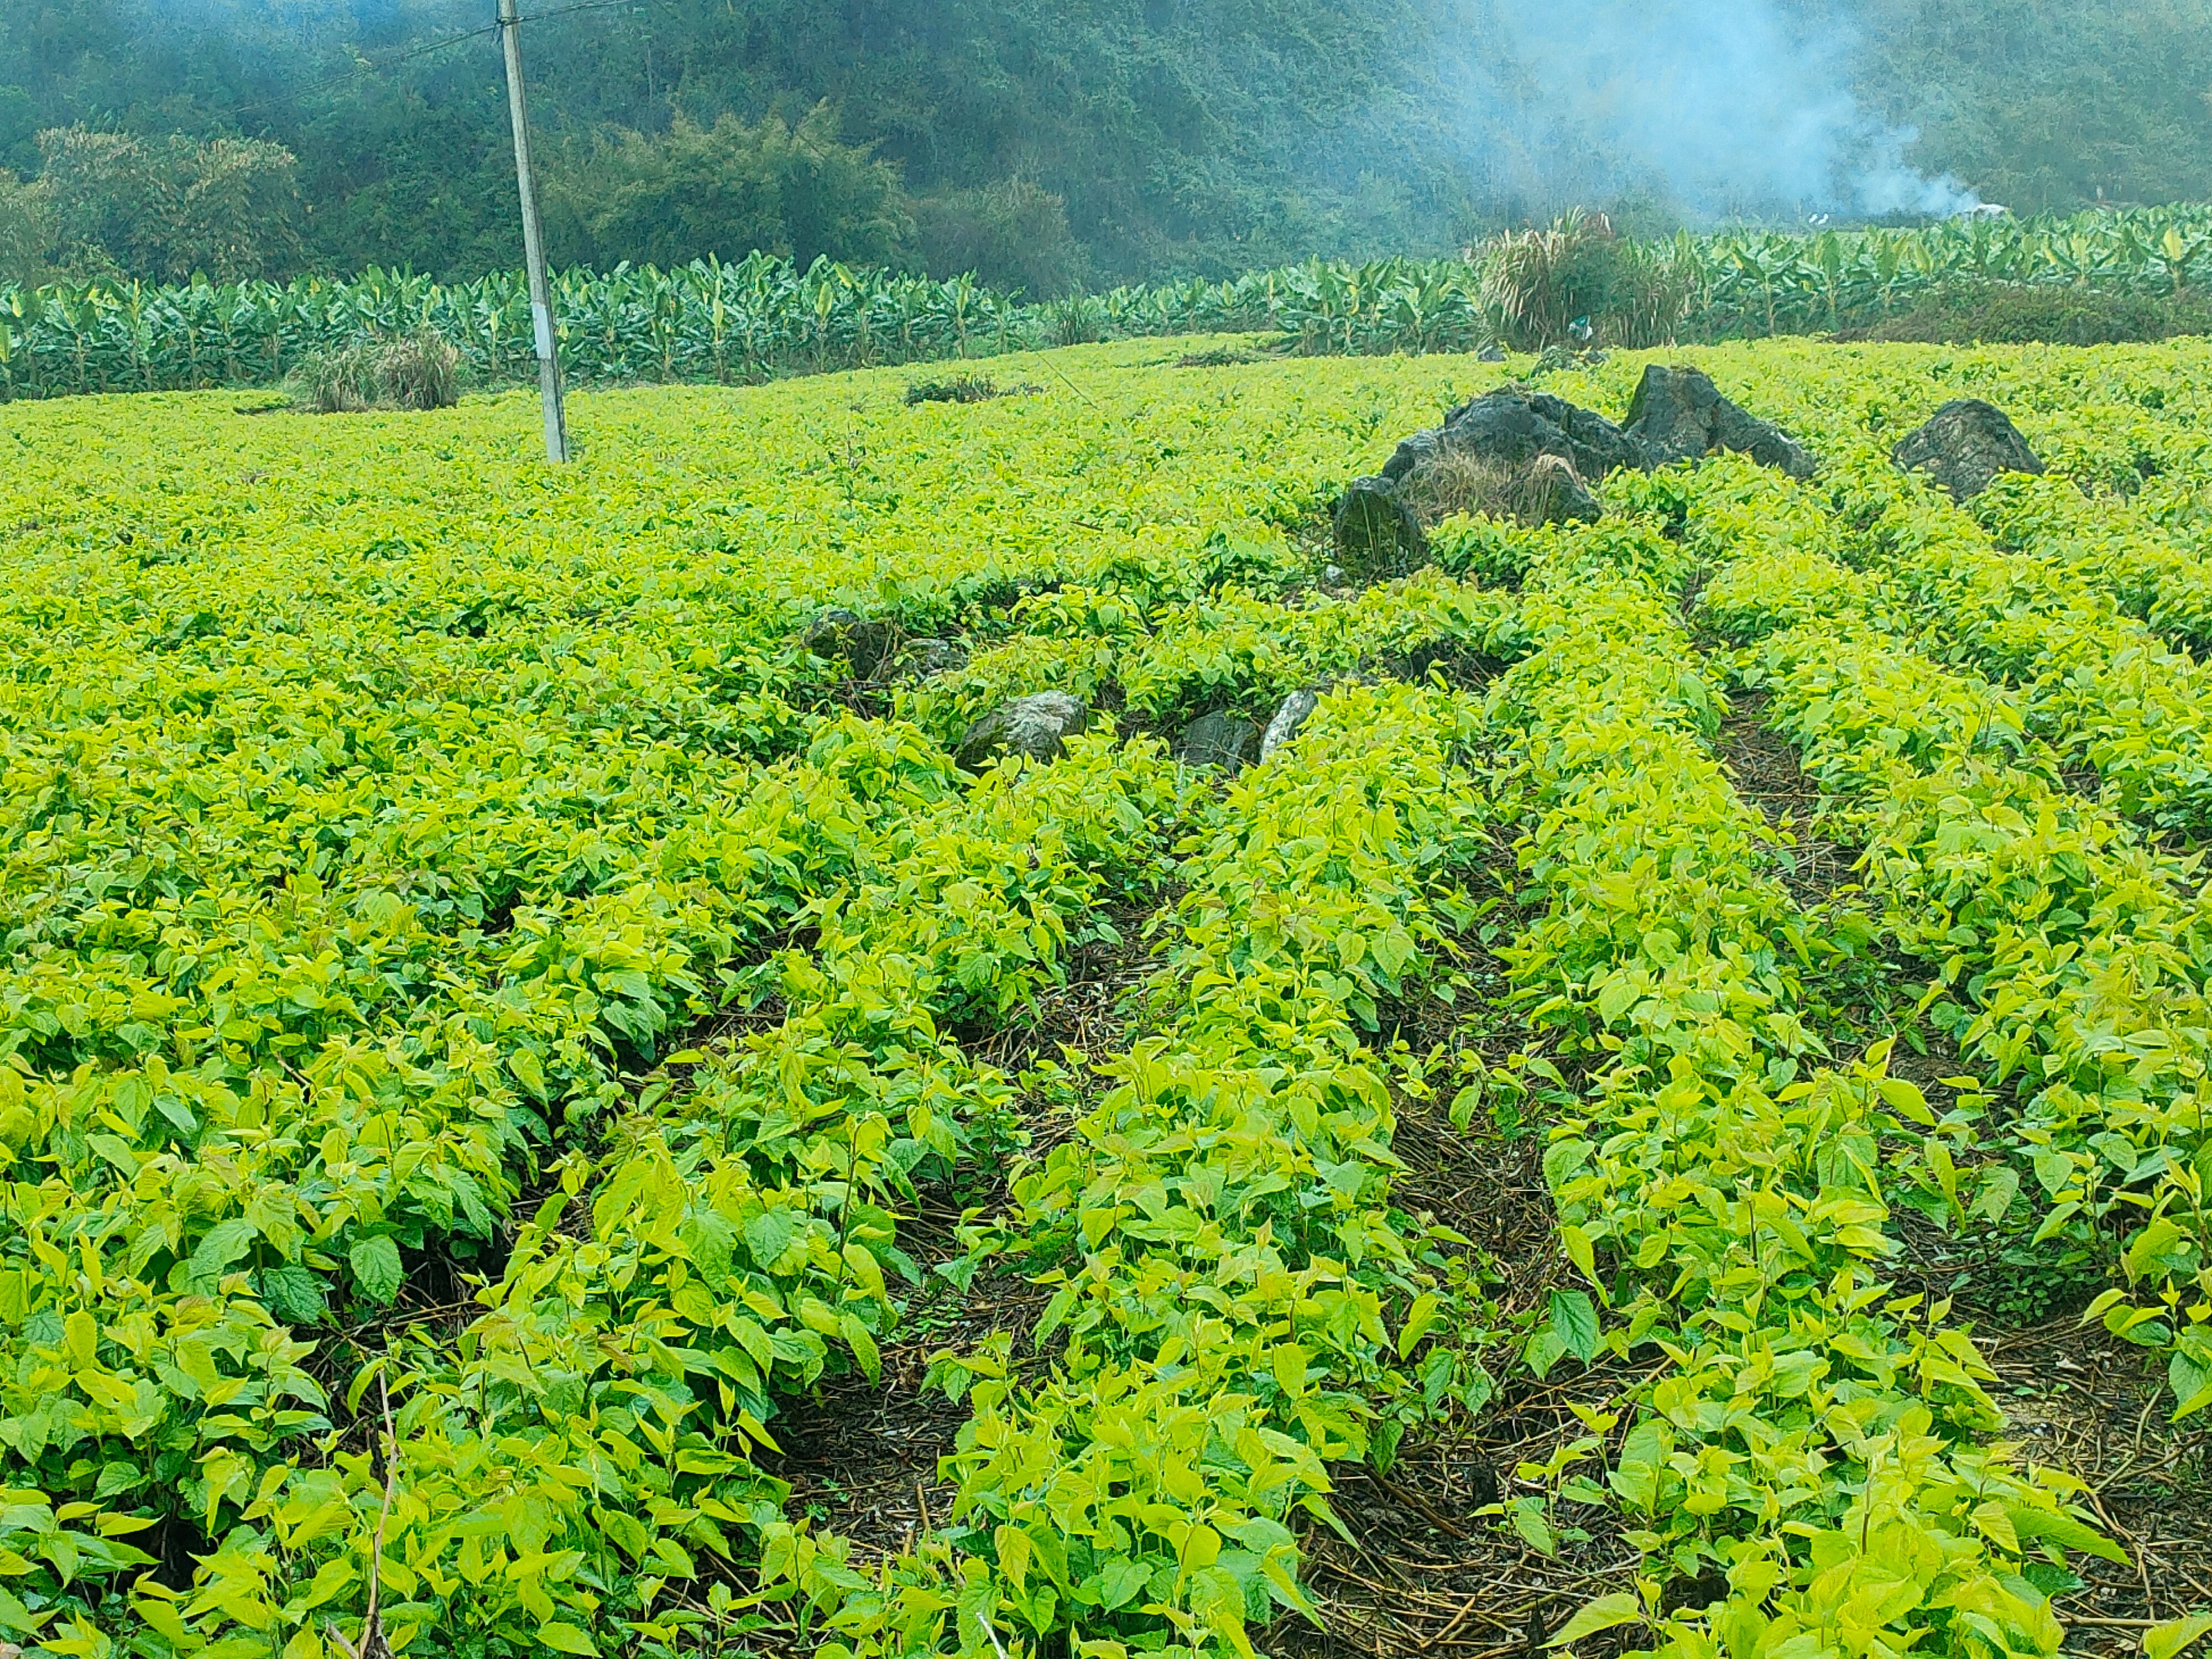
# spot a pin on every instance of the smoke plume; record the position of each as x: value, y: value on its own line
x: 1716, y: 108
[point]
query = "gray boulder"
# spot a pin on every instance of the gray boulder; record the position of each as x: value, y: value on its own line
x: 1378, y: 532
x: 1221, y: 739
x: 1038, y: 727
x: 1964, y: 445
x: 1678, y: 414
x: 1596, y: 447
x: 863, y: 644
x: 1296, y: 709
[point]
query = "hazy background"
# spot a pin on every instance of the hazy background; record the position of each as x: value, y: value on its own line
x: 1056, y: 143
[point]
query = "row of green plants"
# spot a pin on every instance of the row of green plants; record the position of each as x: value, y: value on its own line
x: 1812, y: 1452
x: 1764, y: 283
x: 762, y: 317
x: 2101, y: 686
x: 1177, y: 655
x: 2109, y: 545
x: 1238, y: 1298
x: 2068, y: 960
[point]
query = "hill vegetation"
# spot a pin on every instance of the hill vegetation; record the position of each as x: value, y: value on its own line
x: 1043, y: 146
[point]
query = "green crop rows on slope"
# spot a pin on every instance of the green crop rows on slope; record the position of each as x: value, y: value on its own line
x: 485, y: 1008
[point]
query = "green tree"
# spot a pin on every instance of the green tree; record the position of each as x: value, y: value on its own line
x: 26, y: 230
x: 1012, y: 233
x: 169, y: 207
x: 670, y: 197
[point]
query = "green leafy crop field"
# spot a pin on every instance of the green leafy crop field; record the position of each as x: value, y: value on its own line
x: 545, y: 1111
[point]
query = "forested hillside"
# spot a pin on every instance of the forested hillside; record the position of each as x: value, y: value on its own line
x: 2048, y: 106
x: 1049, y: 143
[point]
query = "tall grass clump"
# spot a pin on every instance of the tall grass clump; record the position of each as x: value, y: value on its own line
x: 1576, y: 280
x: 1457, y: 484
x: 419, y: 370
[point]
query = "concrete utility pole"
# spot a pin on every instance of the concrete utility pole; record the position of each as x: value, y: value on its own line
x: 533, y: 240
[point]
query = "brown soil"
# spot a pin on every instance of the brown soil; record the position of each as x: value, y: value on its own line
x: 2081, y: 1400
x: 1763, y: 766
x: 1427, y: 1573
x: 861, y: 1456
x: 1088, y: 1009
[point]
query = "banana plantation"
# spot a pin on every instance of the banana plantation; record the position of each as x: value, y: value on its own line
x: 762, y: 317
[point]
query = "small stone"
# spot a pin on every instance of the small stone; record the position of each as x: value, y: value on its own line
x: 1296, y: 709
x: 1220, y: 739
x: 923, y: 658
x: 1964, y: 445
x: 1037, y: 726
x: 863, y: 644
x: 1492, y: 353
x: 1332, y: 575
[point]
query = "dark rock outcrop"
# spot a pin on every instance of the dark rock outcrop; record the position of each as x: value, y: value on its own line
x: 1553, y: 493
x: 1038, y: 727
x: 1220, y: 739
x: 1512, y: 426
x: 1964, y: 445
x: 863, y: 644
x: 1598, y: 445
x: 920, y: 660
x: 1378, y: 532
x: 1679, y: 414
x: 1534, y: 458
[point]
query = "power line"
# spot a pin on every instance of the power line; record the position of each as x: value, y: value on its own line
x: 583, y: 5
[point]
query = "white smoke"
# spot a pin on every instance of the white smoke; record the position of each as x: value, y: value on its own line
x: 1717, y: 107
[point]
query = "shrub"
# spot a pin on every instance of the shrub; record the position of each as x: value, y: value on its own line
x: 1077, y: 320
x: 26, y: 231
x: 169, y: 207
x: 339, y: 382
x: 2018, y: 314
x: 1012, y: 234
x: 664, y: 198
x: 419, y: 371
x: 1653, y: 290
x: 960, y: 389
